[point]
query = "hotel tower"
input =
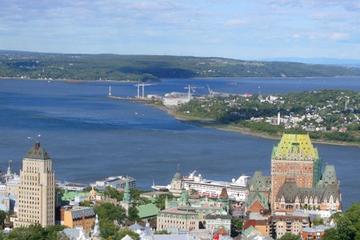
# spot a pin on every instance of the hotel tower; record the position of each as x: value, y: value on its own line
x: 297, y: 159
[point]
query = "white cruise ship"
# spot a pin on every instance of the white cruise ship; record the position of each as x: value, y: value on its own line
x: 237, y: 189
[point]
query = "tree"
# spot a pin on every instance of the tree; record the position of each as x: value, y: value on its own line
x: 86, y: 203
x: 133, y: 214
x: 109, y: 211
x: 3, y: 216
x: 237, y: 223
x: 113, y: 193
x: 290, y: 236
x: 107, y: 228
x: 347, y: 225
x: 317, y: 221
x: 35, y: 232
x: 160, y: 200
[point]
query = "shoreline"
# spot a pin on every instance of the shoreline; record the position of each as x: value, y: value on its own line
x: 164, y: 79
x: 244, y: 131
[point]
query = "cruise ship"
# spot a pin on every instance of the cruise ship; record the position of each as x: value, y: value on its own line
x: 237, y: 189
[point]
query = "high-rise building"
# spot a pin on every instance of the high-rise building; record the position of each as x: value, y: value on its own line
x: 36, y: 197
x: 294, y: 157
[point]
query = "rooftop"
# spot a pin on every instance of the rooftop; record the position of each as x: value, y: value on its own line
x: 295, y: 147
x: 37, y: 152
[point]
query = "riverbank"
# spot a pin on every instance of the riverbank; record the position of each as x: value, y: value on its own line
x: 210, y: 123
x: 75, y: 80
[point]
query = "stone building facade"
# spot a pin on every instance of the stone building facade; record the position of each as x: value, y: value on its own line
x: 324, y: 196
x: 36, y: 196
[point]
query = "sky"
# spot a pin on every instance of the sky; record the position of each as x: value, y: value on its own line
x: 242, y: 29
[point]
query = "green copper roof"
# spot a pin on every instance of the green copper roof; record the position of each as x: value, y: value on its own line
x: 259, y: 182
x: 253, y: 196
x: 37, y: 152
x: 71, y: 195
x: 147, y: 210
x: 184, y: 198
x: 328, y: 175
x: 295, y: 147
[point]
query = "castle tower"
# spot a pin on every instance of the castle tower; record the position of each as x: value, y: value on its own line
x: 294, y: 157
x: 36, y: 196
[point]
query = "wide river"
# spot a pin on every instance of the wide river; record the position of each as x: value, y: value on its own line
x: 90, y: 136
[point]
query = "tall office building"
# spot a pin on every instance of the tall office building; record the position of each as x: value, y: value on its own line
x: 294, y: 158
x: 36, y: 197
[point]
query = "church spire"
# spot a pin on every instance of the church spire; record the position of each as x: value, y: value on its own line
x: 127, y: 196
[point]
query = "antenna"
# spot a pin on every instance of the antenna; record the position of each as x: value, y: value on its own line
x: 9, y: 168
x: 35, y: 139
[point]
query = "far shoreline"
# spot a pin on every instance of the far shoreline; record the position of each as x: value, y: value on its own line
x: 242, y: 131
x: 169, y: 79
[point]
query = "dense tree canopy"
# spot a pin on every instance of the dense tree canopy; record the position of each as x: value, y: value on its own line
x: 347, y: 225
x: 289, y: 236
x: 35, y: 232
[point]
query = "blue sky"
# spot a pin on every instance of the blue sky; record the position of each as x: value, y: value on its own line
x: 244, y: 29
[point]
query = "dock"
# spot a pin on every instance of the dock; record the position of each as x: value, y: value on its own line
x: 131, y: 99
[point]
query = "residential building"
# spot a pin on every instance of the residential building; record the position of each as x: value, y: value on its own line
x: 261, y: 222
x: 289, y: 223
x: 36, y: 196
x: 177, y: 219
x: 217, y: 222
x: 314, y: 233
x: 79, y: 217
x: 185, y: 214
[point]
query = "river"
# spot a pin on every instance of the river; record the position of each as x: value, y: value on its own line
x: 90, y: 136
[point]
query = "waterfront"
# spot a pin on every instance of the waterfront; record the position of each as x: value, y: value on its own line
x: 91, y: 137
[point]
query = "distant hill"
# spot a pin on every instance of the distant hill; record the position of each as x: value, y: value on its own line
x: 33, y: 65
x: 327, y: 61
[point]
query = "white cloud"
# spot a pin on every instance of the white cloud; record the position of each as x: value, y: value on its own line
x: 236, y: 22
x: 338, y: 36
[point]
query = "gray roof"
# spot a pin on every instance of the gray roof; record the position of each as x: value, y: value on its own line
x: 327, y: 186
x: 217, y: 216
x: 290, y: 191
x: 80, y: 212
x: 37, y: 152
x: 329, y: 175
x: 72, y: 233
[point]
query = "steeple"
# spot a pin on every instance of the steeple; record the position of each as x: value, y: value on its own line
x: 127, y: 196
x: 8, y: 173
x: 96, y: 232
x: 177, y: 175
x: 184, y: 198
